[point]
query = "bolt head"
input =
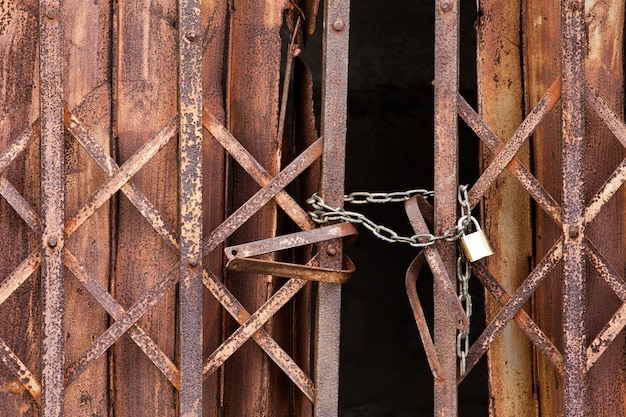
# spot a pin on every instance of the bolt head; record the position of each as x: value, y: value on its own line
x: 193, y: 263
x: 339, y: 24
x: 52, y: 242
x: 192, y: 35
x: 51, y: 13
x: 446, y: 5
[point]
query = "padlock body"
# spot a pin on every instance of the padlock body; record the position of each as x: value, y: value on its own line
x: 476, y: 245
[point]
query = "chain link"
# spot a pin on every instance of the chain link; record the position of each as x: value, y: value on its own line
x: 323, y: 213
x: 463, y: 275
x: 364, y: 197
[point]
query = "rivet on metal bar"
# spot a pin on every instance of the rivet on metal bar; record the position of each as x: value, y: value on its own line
x: 240, y: 256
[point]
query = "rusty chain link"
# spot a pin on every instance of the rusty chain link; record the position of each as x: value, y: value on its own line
x: 463, y: 275
x: 324, y: 213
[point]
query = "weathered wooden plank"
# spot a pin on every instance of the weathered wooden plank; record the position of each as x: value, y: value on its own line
x: 20, y: 323
x: 87, y: 86
x: 604, y: 73
x: 253, y: 94
x: 214, y: 15
x: 542, y: 65
x: 145, y: 72
x: 305, y: 134
x: 506, y: 206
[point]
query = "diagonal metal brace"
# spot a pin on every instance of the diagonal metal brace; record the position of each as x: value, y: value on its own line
x: 240, y: 257
x: 410, y: 280
x: 440, y: 275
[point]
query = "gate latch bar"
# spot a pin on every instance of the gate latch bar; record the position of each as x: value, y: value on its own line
x: 241, y: 257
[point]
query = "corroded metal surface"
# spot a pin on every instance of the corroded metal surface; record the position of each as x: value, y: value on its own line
x: 446, y: 85
x: 574, y: 279
x: 122, y: 176
x: 262, y: 337
x: 21, y: 371
x: 523, y: 175
x: 109, y: 166
x: 261, y: 197
x: 145, y: 343
x: 523, y: 320
x: 256, y: 171
x: 239, y: 257
x: 506, y: 153
x: 513, y: 306
x: 410, y: 280
x: 190, y: 206
x: 121, y: 326
x: 52, y: 208
x: 105, y: 114
x: 333, y: 130
x: 252, y: 325
x: 442, y: 280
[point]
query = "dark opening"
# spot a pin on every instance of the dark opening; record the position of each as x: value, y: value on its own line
x: 383, y: 370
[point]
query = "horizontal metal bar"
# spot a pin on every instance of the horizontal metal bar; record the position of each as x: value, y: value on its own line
x: 308, y: 272
x: 290, y: 241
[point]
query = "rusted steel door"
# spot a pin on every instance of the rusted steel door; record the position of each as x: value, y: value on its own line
x: 550, y: 74
x: 138, y: 139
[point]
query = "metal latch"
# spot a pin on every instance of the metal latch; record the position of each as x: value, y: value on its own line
x: 241, y: 257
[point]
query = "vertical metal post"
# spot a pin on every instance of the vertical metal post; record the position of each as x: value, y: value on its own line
x: 52, y: 207
x: 190, y: 205
x: 446, y: 181
x: 333, y: 129
x: 574, y: 299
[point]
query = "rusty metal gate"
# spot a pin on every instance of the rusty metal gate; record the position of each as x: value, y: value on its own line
x: 115, y: 188
x: 139, y: 138
x: 562, y: 61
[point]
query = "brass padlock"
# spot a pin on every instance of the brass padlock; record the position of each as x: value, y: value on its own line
x: 476, y: 244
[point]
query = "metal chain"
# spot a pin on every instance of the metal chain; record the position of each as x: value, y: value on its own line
x: 463, y: 275
x: 323, y: 213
